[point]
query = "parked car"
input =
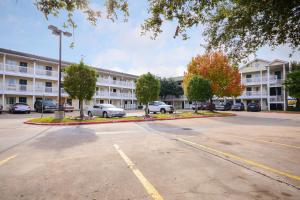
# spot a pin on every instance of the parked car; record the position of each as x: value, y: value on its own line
x: 208, y: 106
x: 45, y: 106
x: 223, y: 106
x: 253, y: 107
x: 1, y: 109
x: 199, y: 106
x: 19, y: 108
x: 68, y: 108
x: 159, y: 106
x: 238, y: 107
x: 106, y: 110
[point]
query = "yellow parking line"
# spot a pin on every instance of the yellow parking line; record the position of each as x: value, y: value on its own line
x: 250, y: 162
x: 147, y: 185
x: 7, y: 159
x: 271, y: 142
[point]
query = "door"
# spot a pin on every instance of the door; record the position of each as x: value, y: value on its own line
x: 48, y: 70
x: 23, y: 67
x: 48, y: 87
x: 23, y: 84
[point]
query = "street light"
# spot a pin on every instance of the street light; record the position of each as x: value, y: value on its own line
x: 58, y: 32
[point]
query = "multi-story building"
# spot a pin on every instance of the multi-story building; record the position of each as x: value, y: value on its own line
x: 27, y: 78
x: 263, y: 81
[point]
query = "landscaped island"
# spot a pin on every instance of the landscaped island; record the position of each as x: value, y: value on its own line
x: 100, y: 120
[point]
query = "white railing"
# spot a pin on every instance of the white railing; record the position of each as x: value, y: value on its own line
x: 1, y: 67
x: 46, y: 90
x: 48, y: 73
x: 254, y: 94
x: 18, y: 88
x: 106, y: 94
x: 108, y: 81
x: 276, y: 98
x: 18, y: 69
x: 258, y: 80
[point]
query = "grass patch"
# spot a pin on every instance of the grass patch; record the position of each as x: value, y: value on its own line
x: 186, y: 114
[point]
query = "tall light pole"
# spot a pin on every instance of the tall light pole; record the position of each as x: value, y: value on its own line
x: 58, y: 32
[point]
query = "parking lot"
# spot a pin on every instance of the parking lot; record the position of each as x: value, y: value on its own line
x: 249, y: 156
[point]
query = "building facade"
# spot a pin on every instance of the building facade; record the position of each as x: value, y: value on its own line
x: 27, y: 78
x: 263, y: 81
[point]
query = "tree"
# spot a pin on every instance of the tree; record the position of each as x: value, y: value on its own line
x: 293, y: 83
x: 224, y: 78
x: 238, y: 27
x: 198, y: 89
x: 80, y: 83
x: 169, y: 87
x: 55, y: 7
x: 147, y: 89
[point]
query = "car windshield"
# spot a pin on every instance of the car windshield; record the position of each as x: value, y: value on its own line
x: 20, y: 104
x: 49, y: 103
x: 160, y: 103
x: 108, y: 106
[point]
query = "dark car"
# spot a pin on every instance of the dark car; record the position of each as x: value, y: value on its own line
x: 19, y: 108
x: 238, y: 107
x: 253, y: 107
x: 1, y: 108
x: 45, y: 106
x: 199, y: 105
x: 223, y: 106
x: 208, y: 106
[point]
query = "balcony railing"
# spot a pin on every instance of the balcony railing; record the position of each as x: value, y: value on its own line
x: 105, y: 94
x: 46, y: 90
x: 19, y: 88
x: 276, y: 98
x: 107, y: 81
x: 48, y: 73
x: 258, y: 80
x: 18, y: 69
x: 254, y: 94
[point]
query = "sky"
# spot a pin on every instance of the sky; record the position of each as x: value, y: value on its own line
x: 116, y: 46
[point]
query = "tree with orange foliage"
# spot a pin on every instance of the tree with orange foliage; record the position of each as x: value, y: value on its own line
x: 214, y: 66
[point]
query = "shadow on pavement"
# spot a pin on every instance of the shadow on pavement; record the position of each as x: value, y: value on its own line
x: 65, y: 138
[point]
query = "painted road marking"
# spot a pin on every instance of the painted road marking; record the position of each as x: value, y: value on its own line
x: 244, y: 160
x: 147, y: 185
x: 7, y: 159
x: 265, y: 141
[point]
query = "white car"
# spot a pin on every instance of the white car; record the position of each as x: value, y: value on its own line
x: 159, y: 106
x: 19, y: 107
x: 106, y: 110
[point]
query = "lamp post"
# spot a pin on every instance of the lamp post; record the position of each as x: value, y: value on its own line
x: 58, y: 32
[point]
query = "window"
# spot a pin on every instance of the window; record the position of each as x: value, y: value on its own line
x: 48, y: 84
x: 114, y: 90
x: 248, y: 76
x: 11, y: 81
x: 10, y: 62
x: 23, y: 64
x: 38, y: 99
x: 278, y: 74
x: 69, y: 101
x: 48, y: 68
x: 249, y: 89
x: 125, y: 102
x: 22, y: 100
x: 10, y: 100
x: 23, y: 82
x: 96, y: 106
x: 114, y: 78
x: 101, y: 101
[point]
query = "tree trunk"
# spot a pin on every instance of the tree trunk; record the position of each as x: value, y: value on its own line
x: 146, y: 110
x: 81, y: 109
x: 211, y: 104
x: 196, y: 107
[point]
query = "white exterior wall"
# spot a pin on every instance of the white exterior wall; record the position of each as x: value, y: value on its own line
x: 37, y: 76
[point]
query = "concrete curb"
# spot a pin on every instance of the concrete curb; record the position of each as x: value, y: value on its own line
x: 120, y: 121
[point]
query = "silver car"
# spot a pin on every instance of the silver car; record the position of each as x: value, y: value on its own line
x: 106, y: 110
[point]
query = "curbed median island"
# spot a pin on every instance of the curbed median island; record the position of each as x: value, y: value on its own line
x: 101, y: 120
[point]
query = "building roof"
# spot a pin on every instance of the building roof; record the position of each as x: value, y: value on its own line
x: 255, y: 60
x: 42, y: 58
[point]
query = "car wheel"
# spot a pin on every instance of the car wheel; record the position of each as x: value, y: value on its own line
x: 163, y: 111
x: 154, y: 112
x: 28, y: 112
x: 90, y: 114
x: 105, y: 115
x: 171, y: 112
